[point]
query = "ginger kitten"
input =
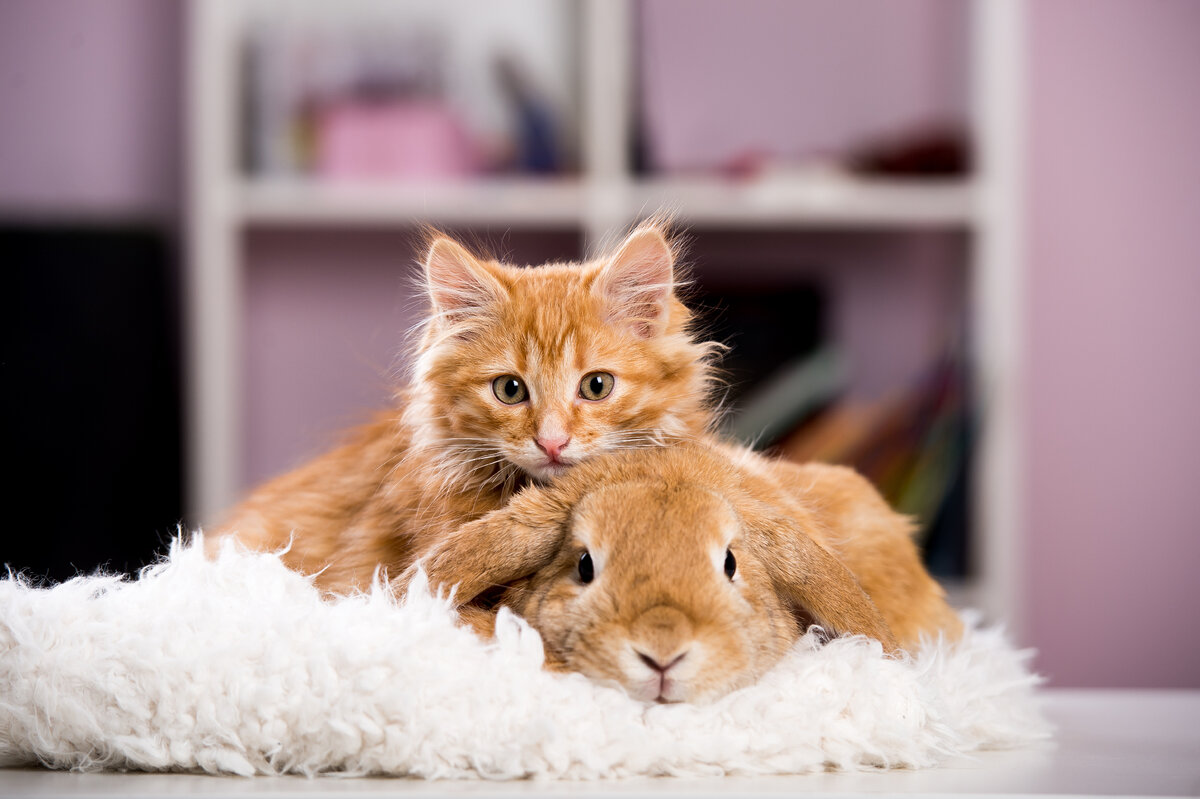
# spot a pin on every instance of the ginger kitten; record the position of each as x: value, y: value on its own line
x: 519, y: 374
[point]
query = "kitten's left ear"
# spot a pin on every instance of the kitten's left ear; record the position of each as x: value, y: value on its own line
x: 637, y: 282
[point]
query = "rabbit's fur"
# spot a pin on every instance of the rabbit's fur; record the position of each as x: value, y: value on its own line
x: 810, y: 544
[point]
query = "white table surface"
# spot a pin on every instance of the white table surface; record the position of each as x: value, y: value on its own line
x: 1107, y: 743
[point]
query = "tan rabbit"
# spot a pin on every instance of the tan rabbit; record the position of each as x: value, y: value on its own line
x: 685, y: 572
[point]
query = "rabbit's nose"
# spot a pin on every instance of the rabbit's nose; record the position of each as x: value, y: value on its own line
x: 660, y: 637
x: 658, y: 666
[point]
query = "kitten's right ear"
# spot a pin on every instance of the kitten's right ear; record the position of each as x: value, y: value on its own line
x: 458, y: 284
x: 636, y: 284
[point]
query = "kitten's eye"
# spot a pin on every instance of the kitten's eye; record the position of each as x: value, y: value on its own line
x: 596, y: 386
x: 587, y: 572
x: 510, y: 389
x: 730, y: 564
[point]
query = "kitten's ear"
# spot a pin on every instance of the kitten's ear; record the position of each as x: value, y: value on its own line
x: 458, y: 284
x: 637, y: 282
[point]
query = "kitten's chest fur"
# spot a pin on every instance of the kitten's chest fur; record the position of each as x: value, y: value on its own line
x: 377, y: 501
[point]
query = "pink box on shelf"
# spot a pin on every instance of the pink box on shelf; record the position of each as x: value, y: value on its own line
x: 391, y: 140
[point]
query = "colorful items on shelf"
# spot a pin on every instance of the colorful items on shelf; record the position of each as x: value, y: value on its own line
x: 397, y: 139
x: 392, y: 99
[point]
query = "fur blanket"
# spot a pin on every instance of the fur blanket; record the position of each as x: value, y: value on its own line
x: 239, y: 666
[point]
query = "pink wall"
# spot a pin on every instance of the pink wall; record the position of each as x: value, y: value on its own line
x: 1114, y: 328
x: 89, y: 107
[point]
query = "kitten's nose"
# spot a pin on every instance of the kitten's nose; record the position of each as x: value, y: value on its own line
x: 552, y: 446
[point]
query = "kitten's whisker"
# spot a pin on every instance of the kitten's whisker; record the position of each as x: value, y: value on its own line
x: 483, y: 456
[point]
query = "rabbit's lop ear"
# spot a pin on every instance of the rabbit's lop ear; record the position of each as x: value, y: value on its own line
x: 814, y: 582
x: 495, y: 550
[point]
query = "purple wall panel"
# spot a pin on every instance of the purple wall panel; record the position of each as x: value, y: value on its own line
x: 1114, y: 434
x: 90, y: 102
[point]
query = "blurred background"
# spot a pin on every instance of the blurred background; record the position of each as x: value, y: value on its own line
x: 956, y: 245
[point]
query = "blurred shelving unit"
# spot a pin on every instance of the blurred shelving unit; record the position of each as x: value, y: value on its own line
x: 603, y: 198
x: 503, y: 201
x: 812, y: 200
x: 818, y: 201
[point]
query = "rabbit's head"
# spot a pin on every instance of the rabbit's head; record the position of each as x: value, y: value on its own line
x: 658, y: 586
x: 679, y: 573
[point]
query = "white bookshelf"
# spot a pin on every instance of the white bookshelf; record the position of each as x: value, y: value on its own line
x: 604, y: 198
x: 813, y: 200
x: 517, y: 202
x: 816, y: 200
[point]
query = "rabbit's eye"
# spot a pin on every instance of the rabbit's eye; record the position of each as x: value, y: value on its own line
x: 730, y: 564
x: 587, y: 572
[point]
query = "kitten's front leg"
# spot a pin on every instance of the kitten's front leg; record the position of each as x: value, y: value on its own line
x: 489, y: 553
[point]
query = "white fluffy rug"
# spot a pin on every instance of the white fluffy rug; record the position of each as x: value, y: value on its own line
x: 239, y: 666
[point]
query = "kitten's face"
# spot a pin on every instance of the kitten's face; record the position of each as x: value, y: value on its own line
x: 543, y: 368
